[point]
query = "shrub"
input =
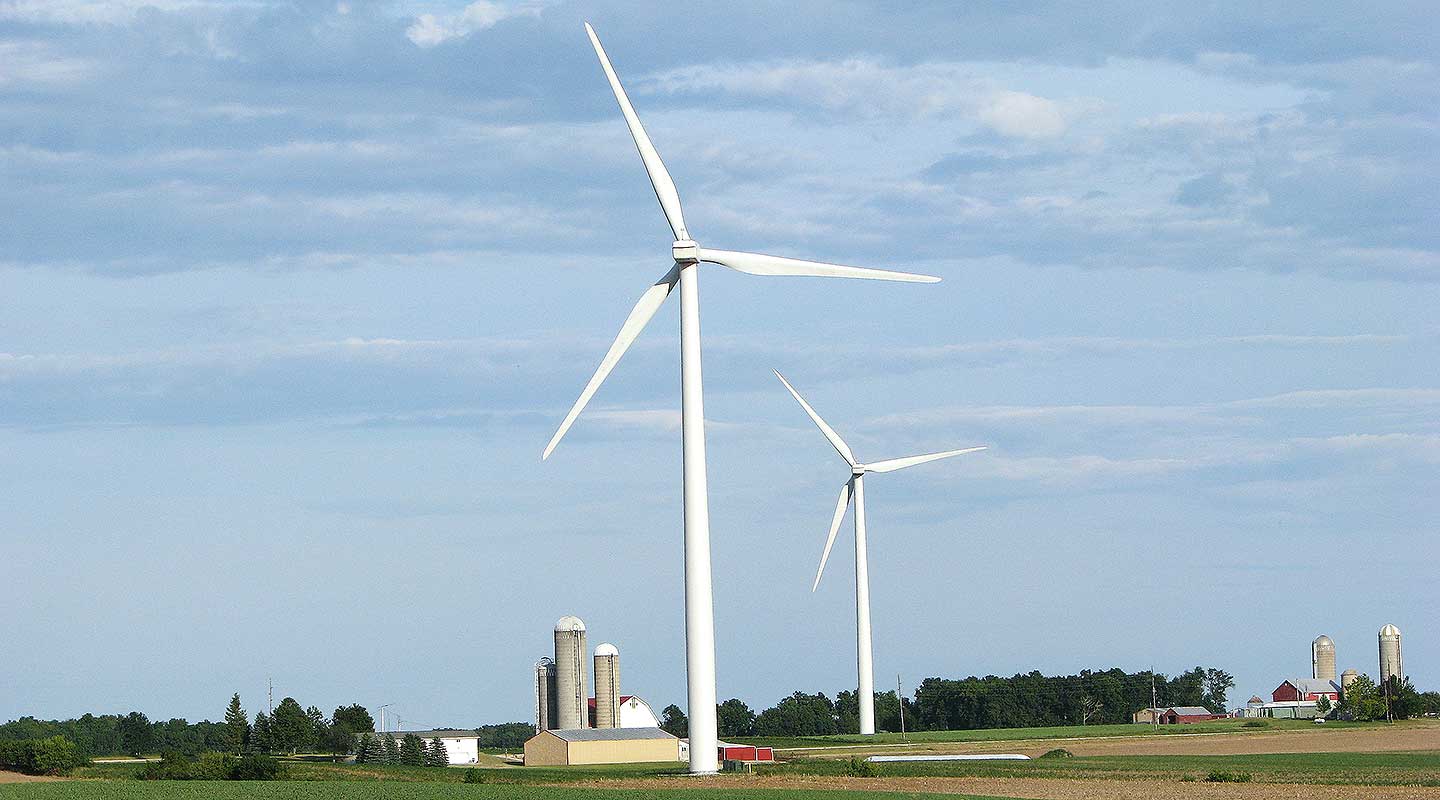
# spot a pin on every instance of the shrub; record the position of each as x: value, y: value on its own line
x: 54, y: 755
x: 473, y: 775
x: 863, y: 768
x: 1219, y: 776
x: 1058, y: 752
x: 212, y: 766
x: 1255, y: 723
x: 255, y: 767
x: 1187, y: 778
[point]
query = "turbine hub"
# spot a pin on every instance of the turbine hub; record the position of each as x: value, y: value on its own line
x: 686, y: 251
x: 857, y: 470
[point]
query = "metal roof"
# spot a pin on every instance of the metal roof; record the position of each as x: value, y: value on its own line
x: 1316, y: 685
x: 610, y: 734
x: 1190, y: 711
x: 443, y: 733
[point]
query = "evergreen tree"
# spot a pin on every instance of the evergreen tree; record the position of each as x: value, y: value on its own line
x: 412, y: 751
x: 260, y: 739
x: 392, y: 750
x: 289, y: 727
x: 319, y: 728
x: 237, y: 726
x: 365, y: 749
x: 436, y: 754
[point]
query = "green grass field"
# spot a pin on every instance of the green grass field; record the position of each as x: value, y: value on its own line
x: 1058, y: 732
x: 390, y: 790
x: 1369, y: 769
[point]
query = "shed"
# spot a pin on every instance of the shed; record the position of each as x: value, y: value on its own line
x: 1181, y: 715
x: 601, y: 746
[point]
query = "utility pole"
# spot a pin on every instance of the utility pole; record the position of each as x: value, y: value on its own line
x: 1154, y: 712
x: 900, y: 698
x: 270, y: 697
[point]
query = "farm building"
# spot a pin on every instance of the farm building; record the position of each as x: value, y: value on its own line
x: 463, y: 747
x: 1305, y: 690
x: 745, y: 752
x: 634, y: 713
x: 1183, y: 715
x: 601, y: 746
x: 1146, y: 716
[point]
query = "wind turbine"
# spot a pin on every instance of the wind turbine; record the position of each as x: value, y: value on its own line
x: 687, y: 256
x: 855, y: 487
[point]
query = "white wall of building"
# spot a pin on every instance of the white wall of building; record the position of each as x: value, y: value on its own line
x: 636, y: 713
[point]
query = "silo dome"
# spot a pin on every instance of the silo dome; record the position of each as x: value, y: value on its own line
x: 569, y: 623
x: 1389, y: 630
x: 606, y: 649
x: 1322, y: 639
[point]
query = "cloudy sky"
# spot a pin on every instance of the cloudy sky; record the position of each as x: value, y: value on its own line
x: 292, y: 295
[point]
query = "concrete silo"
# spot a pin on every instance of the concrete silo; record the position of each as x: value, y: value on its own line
x: 1346, y: 678
x: 1390, y: 663
x: 1322, y: 658
x: 607, y: 686
x: 571, y: 693
x: 545, y: 695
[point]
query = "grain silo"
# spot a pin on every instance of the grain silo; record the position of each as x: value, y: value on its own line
x: 607, y: 686
x: 1390, y: 663
x: 1322, y: 658
x: 545, y: 695
x: 1346, y: 678
x: 571, y: 693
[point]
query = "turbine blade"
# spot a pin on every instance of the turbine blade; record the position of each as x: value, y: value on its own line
x: 659, y: 177
x: 840, y: 507
x: 650, y: 302
x: 758, y: 264
x: 909, y: 461
x: 835, y: 440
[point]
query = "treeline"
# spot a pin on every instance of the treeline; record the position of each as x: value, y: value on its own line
x: 1025, y: 700
x: 290, y: 729
x: 411, y: 750
x: 1393, y: 699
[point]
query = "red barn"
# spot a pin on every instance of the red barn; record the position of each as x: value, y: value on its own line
x: 1183, y: 715
x: 1306, y: 689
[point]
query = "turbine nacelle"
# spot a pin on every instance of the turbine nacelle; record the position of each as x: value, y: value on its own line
x: 685, y: 252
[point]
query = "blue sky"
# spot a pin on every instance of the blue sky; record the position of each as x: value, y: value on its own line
x: 295, y: 293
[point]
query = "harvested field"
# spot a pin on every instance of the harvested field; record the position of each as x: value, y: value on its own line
x: 16, y: 777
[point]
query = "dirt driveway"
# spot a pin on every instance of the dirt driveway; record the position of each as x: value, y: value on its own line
x: 15, y: 777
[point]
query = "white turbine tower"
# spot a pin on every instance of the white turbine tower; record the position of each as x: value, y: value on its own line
x: 855, y: 487
x: 687, y: 255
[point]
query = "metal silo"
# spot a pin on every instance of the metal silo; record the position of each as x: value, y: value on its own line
x: 1346, y: 678
x: 571, y: 694
x: 1322, y: 658
x: 545, y: 695
x: 1390, y: 663
x: 607, y: 686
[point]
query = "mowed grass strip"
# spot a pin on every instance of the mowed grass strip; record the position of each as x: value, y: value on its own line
x: 390, y: 790
x: 1349, y: 769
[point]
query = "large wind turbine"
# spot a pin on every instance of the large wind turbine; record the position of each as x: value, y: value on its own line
x: 687, y: 255
x: 855, y: 487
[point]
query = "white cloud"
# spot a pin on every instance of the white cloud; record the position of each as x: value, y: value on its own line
x: 430, y: 30
x: 1023, y: 115
x: 97, y: 12
x: 871, y: 89
x: 23, y: 62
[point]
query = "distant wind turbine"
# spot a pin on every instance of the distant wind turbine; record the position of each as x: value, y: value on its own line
x: 855, y: 487
x: 687, y: 255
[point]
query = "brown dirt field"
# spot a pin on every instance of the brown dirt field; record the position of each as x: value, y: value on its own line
x: 1041, y: 788
x: 15, y: 777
